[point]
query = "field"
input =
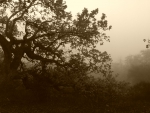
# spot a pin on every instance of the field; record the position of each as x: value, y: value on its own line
x: 26, y: 103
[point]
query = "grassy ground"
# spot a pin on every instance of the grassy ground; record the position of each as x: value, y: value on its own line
x: 72, y: 105
x: 51, y: 101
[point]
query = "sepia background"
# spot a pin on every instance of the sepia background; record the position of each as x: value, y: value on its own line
x: 130, y: 20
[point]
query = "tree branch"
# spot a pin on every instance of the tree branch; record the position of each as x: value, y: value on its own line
x: 4, y: 43
x: 34, y: 56
x: 9, y: 33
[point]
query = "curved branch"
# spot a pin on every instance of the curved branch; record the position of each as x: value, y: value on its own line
x: 49, y: 49
x: 34, y: 56
x: 64, y: 33
x: 4, y: 43
x: 9, y: 33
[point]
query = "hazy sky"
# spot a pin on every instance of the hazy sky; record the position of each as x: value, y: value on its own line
x: 130, y: 20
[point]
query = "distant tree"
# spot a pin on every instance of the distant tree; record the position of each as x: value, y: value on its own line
x: 139, y: 67
x: 42, y: 31
x: 120, y: 71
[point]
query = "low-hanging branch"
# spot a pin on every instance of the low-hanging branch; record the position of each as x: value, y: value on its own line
x: 34, y: 56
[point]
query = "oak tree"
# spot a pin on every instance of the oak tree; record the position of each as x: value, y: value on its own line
x: 42, y: 31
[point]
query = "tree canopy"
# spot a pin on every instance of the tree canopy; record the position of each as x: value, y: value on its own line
x: 138, y: 67
x: 42, y: 31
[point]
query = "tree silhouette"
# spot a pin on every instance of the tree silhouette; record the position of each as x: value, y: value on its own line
x: 42, y: 31
x: 138, y: 67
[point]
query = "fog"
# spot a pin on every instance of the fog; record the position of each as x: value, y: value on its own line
x: 130, y: 20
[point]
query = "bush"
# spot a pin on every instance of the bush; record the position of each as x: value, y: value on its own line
x: 140, y: 91
x: 103, y: 90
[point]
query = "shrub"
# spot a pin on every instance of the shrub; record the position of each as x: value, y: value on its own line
x: 103, y: 90
x: 140, y: 91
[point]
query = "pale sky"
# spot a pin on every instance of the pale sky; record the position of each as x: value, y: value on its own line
x: 130, y: 20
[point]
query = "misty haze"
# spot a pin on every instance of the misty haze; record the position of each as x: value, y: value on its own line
x: 74, y: 56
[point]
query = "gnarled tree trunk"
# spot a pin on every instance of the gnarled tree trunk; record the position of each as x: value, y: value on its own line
x: 10, y: 64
